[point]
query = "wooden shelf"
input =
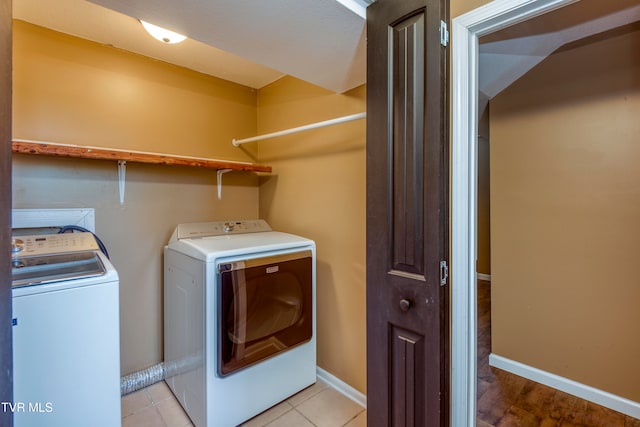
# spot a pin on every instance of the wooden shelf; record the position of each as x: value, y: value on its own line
x: 77, y: 151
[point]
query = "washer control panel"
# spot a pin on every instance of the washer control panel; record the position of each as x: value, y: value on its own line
x: 220, y: 228
x: 46, y: 244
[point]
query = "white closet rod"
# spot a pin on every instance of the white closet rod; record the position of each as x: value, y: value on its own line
x: 238, y: 142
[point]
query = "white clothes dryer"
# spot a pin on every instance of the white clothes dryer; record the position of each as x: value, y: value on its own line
x: 239, y: 319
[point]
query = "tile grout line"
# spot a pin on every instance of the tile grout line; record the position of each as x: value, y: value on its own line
x: 147, y: 394
x: 138, y: 409
x: 354, y: 417
x: 280, y: 416
x: 303, y: 416
x: 151, y: 403
x: 308, y: 397
x: 326, y: 386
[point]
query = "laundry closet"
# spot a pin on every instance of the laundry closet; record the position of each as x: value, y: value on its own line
x: 74, y: 91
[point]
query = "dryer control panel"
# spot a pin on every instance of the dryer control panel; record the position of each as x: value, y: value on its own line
x: 219, y: 228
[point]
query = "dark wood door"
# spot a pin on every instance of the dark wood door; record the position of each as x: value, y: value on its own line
x: 6, y: 355
x: 407, y: 214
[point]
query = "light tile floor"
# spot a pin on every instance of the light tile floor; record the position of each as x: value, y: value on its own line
x: 319, y: 405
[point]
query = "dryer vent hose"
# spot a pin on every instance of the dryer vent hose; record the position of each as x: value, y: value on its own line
x: 141, y: 379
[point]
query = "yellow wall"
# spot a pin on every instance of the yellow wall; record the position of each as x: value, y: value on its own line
x: 484, y: 205
x: 70, y: 90
x: 460, y: 7
x: 73, y: 91
x: 317, y: 190
x: 565, y: 212
x: 64, y: 92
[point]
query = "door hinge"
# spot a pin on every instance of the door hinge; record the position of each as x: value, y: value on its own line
x: 444, y: 273
x: 444, y: 34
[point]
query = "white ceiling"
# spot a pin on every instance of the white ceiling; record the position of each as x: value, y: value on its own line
x: 319, y: 41
x: 507, y: 55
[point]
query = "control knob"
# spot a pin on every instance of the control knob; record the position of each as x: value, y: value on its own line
x: 17, y: 245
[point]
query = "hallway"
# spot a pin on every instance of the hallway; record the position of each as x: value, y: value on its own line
x: 505, y: 399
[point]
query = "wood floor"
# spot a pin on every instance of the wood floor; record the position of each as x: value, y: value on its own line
x: 505, y: 399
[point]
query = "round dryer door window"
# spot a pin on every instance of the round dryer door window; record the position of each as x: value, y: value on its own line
x: 266, y: 308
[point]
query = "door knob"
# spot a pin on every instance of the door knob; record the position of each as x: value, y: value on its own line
x: 405, y: 304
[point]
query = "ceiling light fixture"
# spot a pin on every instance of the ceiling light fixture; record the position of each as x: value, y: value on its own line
x: 159, y: 33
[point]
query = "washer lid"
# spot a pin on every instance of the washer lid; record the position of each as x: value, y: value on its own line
x: 53, y: 268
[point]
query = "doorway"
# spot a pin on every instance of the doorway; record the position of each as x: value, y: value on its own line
x: 564, y: 204
x: 467, y: 30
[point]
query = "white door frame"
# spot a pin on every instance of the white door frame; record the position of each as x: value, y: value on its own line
x: 466, y: 29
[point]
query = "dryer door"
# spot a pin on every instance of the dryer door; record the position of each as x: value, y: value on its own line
x: 266, y: 308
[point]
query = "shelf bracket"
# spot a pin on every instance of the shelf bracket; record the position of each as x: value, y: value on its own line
x: 219, y: 180
x: 122, y: 172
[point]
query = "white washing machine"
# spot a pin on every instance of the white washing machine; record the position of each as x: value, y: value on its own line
x: 66, y: 335
x: 239, y: 319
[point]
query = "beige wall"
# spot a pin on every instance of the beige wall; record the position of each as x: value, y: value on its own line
x: 565, y: 215
x: 484, y: 205
x: 73, y: 91
x: 460, y: 7
x: 317, y: 190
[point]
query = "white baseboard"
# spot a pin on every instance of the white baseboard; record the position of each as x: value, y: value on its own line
x: 482, y: 276
x: 342, y: 387
x: 566, y: 385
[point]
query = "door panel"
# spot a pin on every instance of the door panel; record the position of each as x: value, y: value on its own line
x: 407, y: 364
x: 407, y: 208
x: 407, y: 68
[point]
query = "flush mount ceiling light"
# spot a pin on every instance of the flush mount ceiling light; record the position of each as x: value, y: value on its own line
x: 159, y: 33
